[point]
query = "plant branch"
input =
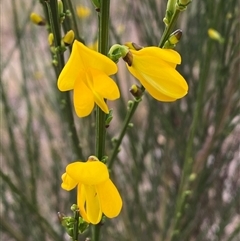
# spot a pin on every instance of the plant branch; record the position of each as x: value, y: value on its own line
x: 103, y: 35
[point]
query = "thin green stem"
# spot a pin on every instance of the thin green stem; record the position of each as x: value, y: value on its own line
x: 70, y: 22
x: 75, y: 228
x: 103, y: 35
x: 123, y: 130
x: 169, y: 28
x: 100, y: 133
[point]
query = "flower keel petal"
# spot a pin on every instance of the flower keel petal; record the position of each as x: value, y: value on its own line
x: 93, y: 209
x: 82, y: 98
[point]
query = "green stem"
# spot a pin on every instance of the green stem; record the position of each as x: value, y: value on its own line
x: 103, y: 36
x: 95, y: 229
x: 124, y: 129
x: 75, y: 228
x: 71, y: 22
x: 100, y: 133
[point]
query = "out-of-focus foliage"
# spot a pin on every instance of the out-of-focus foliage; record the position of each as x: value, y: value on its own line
x: 194, y: 141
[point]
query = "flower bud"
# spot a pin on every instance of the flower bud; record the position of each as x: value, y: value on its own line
x: 171, y: 5
x: 37, y: 19
x: 215, y: 35
x: 61, y: 13
x: 136, y: 91
x: 68, y: 38
x: 130, y: 125
x: 50, y: 39
x: 60, y: 8
x: 128, y: 58
x: 117, y: 51
x: 74, y: 207
x: 55, y: 62
x: 108, y: 118
x: 192, y: 177
x: 92, y: 158
x: 182, y: 4
x: 173, y: 39
x: 132, y: 45
x: 175, y: 36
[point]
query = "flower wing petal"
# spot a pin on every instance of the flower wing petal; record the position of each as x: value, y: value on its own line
x: 93, y: 209
x: 158, y: 77
x: 95, y: 60
x: 68, y: 183
x: 70, y: 71
x: 154, y: 92
x: 81, y: 200
x: 110, y: 199
x: 88, y: 173
x: 82, y: 98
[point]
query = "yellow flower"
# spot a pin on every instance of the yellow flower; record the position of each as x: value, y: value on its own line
x: 83, y: 12
x: 87, y: 73
x: 155, y: 69
x: 96, y: 194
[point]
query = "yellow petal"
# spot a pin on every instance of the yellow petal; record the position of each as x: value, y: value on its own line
x: 100, y: 102
x: 81, y: 200
x: 104, y: 85
x: 93, y: 210
x: 68, y: 183
x: 110, y: 199
x: 82, y: 97
x: 155, y: 93
x: 71, y: 70
x: 94, y: 60
x: 88, y: 173
x: 159, y: 78
x: 167, y: 55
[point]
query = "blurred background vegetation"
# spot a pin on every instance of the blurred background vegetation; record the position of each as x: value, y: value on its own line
x: 178, y: 170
